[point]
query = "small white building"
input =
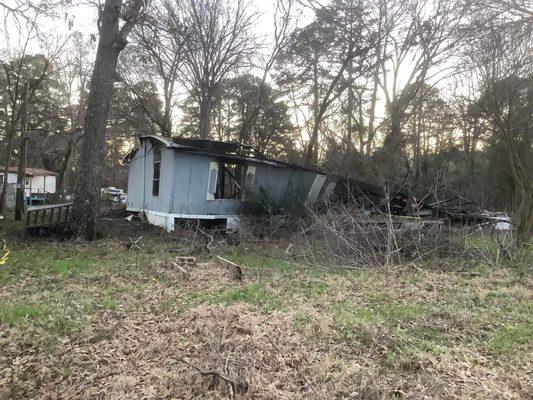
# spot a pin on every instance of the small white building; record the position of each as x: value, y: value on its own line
x: 38, y: 183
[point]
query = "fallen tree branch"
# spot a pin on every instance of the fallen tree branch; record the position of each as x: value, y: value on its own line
x: 209, y: 237
x: 212, y: 373
x: 180, y: 268
x: 231, y: 385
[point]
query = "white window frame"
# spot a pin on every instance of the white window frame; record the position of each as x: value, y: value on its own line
x: 212, y: 180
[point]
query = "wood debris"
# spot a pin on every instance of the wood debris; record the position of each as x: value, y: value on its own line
x: 186, y: 260
x: 236, y: 269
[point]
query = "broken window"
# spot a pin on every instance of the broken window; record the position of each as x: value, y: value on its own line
x: 157, y: 172
x: 250, y: 178
x: 226, y: 180
x: 231, y: 181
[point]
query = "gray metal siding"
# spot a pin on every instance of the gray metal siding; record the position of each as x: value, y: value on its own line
x: 282, y: 186
x: 184, y: 184
x: 136, y: 180
x: 327, y: 189
x: 140, y: 179
x: 271, y: 182
x: 190, y: 187
x: 299, y: 185
x: 161, y: 202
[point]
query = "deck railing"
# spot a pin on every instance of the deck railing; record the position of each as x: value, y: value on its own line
x: 47, y: 215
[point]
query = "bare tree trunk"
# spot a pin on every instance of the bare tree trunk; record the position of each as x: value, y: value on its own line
x: 389, y: 153
x: 21, y: 179
x: 62, y: 178
x: 10, y: 138
x: 21, y: 172
x: 89, y: 173
x: 205, y: 117
x: 417, y: 124
x: 310, y: 157
x: 466, y: 128
x: 523, y: 216
x: 219, y: 42
x: 372, y: 113
x: 281, y: 36
x: 220, y: 128
x: 361, y: 123
x: 62, y: 173
x: 375, y: 86
x: 349, y: 111
x: 395, y: 140
x: 248, y: 123
x: 167, y: 114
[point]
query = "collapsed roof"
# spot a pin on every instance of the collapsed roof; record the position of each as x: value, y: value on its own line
x: 227, y: 151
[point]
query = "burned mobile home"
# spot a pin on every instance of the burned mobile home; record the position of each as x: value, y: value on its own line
x: 169, y: 179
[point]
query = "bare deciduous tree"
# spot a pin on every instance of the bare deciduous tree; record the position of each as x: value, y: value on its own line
x: 283, y: 26
x: 499, y: 50
x: 74, y: 73
x: 22, y: 76
x: 219, y: 42
x: 419, y: 36
x: 354, y: 42
x: 157, y: 52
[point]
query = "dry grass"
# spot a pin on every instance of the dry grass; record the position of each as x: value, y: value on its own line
x: 99, y: 321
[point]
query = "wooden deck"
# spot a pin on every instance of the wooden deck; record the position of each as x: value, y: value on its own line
x: 47, y: 215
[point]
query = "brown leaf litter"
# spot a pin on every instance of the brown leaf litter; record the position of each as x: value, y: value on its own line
x: 145, y: 355
x: 158, y: 357
x: 149, y: 357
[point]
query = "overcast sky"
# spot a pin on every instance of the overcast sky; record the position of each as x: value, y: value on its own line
x: 81, y: 16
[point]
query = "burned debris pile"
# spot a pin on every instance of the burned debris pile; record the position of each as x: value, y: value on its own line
x: 365, y: 225
x: 440, y: 206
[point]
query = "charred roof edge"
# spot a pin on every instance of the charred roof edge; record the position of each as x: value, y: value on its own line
x: 169, y: 143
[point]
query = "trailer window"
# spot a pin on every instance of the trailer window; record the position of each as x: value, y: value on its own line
x: 231, y: 179
x: 157, y: 172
